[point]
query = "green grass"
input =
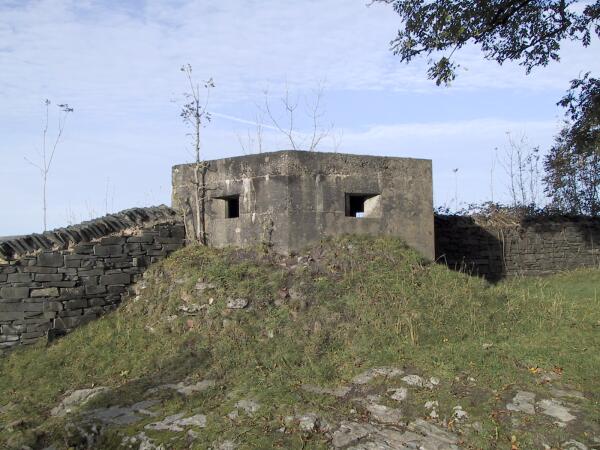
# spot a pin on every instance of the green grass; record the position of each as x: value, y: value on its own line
x: 365, y: 302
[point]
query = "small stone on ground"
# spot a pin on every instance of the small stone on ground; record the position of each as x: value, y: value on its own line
x: 416, y: 380
x: 555, y: 408
x: 176, y: 422
x: 237, y: 303
x: 398, y: 394
x: 75, y: 399
x: 522, y: 402
x: 370, y: 374
x: 184, y: 388
x: 249, y: 406
x: 341, y: 391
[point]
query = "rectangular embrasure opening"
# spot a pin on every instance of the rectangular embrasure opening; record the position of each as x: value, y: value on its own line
x: 232, y: 206
x: 363, y: 205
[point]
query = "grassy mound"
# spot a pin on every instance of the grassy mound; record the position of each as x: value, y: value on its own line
x: 345, y: 306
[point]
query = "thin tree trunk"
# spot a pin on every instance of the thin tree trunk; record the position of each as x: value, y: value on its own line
x: 45, y: 178
x: 203, y: 206
x: 199, y: 230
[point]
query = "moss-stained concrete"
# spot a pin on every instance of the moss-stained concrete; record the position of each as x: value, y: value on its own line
x: 290, y: 199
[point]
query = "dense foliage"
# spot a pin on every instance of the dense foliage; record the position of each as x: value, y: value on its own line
x: 530, y: 33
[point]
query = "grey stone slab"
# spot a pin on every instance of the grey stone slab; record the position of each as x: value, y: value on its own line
x: 33, y: 335
x: 133, y: 249
x: 384, y: 414
x: 115, y: 279
x: 38, y: 327
x: 84, y: 249
x: 350, y: 432
x: 370, y: 374
x: 89, y: 263
x: 123, y: 264
x: 76, y: 399
x: 53, y: 259
x: 116, y: 289
x: 70, y: 313
x: 113, y: 240
x: 91, y: 272
x: 140, y: 261
x: 523, y: 402
x: 178, y: 231
x: 12, y: 329
x: 19, y: 277
x: 96, y: 311
x: 62, y: 284
x: 97, y: 301
x: 340, y: 391
x: 72, y: 263
x: 146, y: 239
x: 14, y: 292
x: 39, y: 315
x: 37, y: 269
x: 177, y: 241
x: 45, y: 292
x: 555, y: 408
x: 11, y: 315
x: 177, y: 422
x: 72, y: 293
x: 185, y: 387
x: 153, y: 252
x: 108, y: 250
x: 38, y: 306
x: 12, y: 307
x: 48, y: 276
x: 95, y: 289
x: 72, y: 322
x: 76, y: 304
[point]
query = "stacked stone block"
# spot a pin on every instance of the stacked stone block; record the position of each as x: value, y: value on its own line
x: 60, y: 289
x: 535, y: 246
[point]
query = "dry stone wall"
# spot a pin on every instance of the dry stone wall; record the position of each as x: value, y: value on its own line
x: 535, y: 246
x: 56, y: 281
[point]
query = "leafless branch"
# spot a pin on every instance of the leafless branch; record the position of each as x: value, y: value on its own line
x: 46, y: 159
x: 314, y: 110
x: 195, y: 113
x: 290, y: 108
x: 336, y: 138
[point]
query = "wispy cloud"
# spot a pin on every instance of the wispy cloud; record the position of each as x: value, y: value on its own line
x: 102, y: 55
x: 118, y: 64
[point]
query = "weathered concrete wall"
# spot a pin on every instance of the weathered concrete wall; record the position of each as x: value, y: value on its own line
x: 536, y: 246
x: 65, y: 278
x: 290, y: 199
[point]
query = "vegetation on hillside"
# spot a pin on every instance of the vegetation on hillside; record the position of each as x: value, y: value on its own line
x: 320, y: 318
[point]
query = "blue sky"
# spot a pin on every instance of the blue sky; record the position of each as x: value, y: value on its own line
x: 117, y: 64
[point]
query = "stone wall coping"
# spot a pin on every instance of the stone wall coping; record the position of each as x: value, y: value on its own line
x: 87, y: 231
x: 510, y: 222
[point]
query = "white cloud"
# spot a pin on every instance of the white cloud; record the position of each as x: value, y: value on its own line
x: 474, y: 147
x: 118, y: 64
x: 105, y: 58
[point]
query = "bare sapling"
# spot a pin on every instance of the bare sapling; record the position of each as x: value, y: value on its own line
x: 48, y: 150
x: 288, y: 124
x: 521, y: 165
x: 195, y: 114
